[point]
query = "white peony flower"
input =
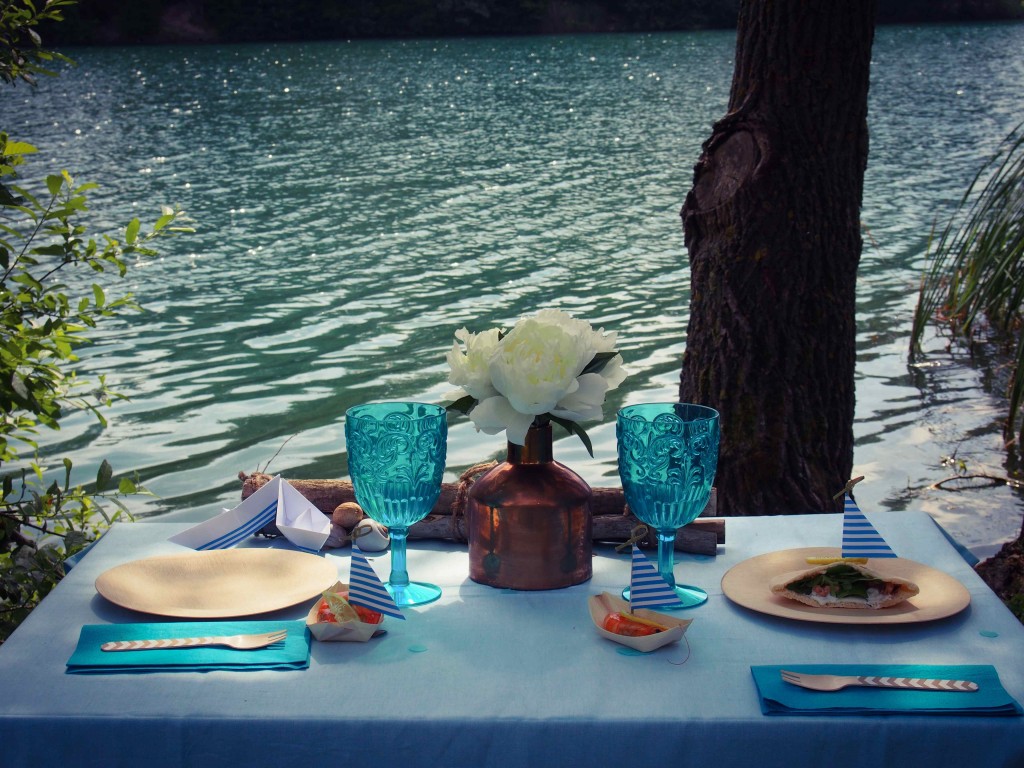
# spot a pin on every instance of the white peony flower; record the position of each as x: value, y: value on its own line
x: 469, y: 369
x: 536, y: 365
x: 550, y: 365
x: 496, y: 415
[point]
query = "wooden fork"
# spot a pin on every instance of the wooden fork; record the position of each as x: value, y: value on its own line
x: 242, y: 642
x: 837, y: 682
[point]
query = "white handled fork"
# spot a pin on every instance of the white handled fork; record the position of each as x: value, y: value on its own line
x: 242, y: 642
x: 837, y: 682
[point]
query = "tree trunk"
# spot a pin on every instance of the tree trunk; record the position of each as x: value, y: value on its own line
x: 772, y: 227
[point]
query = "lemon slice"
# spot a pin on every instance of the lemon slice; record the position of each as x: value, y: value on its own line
x: 829, y: 560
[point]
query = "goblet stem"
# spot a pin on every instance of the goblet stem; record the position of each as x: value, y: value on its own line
x: 667, y: 555
x: 689, y: 596
x: 403, y: 591
x: 399, y: 578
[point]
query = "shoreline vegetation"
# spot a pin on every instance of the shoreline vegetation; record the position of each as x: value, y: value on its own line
x: 148, y: 22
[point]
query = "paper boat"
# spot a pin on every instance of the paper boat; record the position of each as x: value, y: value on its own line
x: 277, y: 501
x: 299, y: 521
x: 605, y: 603
x: 349, y: 631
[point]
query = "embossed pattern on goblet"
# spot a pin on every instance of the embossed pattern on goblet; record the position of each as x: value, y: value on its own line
x: 396, y: 458
x: 668, y: 456
x: 667, y: 461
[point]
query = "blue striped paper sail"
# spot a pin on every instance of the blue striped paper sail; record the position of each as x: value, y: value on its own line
x: 860, y: 539
x: 646, y: 587
x: 366, y: 589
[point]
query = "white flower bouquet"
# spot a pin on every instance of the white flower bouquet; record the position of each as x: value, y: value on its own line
x: 549, y: 367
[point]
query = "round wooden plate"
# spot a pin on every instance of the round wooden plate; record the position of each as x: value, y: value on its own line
x: 747, y: 583
x: 220, y: 583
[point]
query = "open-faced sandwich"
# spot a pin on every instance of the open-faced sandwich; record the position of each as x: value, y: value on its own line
x: 843, y: 585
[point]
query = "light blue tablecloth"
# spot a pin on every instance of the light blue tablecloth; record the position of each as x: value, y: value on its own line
x: 489, y: 677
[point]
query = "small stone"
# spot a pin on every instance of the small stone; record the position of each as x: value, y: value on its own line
x: 338, y: 537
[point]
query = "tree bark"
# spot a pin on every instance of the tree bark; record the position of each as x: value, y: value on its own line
x: 772, y: 226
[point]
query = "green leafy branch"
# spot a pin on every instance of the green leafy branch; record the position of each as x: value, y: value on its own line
x: 43, y: 323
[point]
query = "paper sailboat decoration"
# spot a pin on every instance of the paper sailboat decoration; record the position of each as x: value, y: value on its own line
x: 299, y: 521
x: 276, y: 502
x: 860, y: 539
x: 367, y: 590
x: 647, y: 589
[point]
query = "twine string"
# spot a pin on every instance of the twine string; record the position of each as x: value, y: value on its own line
x: 458, y: 508
x: 362, y: 528
x: 638, y: 534
x: 848, y: 488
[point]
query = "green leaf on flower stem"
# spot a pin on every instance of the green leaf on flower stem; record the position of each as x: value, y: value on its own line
x: 575, y: 429
x: 599, y: 361
x: 462, y: 405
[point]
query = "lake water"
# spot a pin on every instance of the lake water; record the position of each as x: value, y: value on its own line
x: 357, y: 202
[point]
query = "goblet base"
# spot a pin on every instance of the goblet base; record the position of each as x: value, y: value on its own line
x: 689, y: 596
x: 413, y: 593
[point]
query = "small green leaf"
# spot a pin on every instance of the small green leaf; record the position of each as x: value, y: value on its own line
x: 462, y: 405
x: 103, y: 475
x: 98, y: 296
x: 54, y: 183
x: 18, y: 148
x: 599, y: 361
x: 575, y: 429
x: 126, y: 486
x: 131, y: 233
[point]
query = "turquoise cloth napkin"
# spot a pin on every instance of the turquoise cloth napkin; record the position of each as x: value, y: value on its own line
x: 780, y: 698
x: 293, y: 653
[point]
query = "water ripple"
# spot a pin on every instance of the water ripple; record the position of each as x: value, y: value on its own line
x: 359, y: 201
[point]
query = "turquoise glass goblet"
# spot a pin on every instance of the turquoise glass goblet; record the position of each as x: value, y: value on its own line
x: 668, y: 455
x: 396, y: 455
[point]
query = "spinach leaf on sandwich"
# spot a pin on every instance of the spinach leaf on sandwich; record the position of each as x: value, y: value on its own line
x: 841, y: 580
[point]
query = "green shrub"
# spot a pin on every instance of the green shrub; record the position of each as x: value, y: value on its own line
x: 43, y: 322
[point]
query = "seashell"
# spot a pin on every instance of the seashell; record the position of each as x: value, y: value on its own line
x: 371, y: 536
x: 347, y: 515
x: 605, y: 603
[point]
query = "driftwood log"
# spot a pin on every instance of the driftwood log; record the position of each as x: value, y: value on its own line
x: 613, y: 521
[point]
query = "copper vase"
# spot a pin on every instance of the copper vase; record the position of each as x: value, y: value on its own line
x: 529, y: 520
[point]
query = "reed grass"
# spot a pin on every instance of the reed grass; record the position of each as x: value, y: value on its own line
x: 973, y: 285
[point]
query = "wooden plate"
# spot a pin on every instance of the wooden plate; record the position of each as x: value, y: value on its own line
x: 746, y: 584
x: 217, y: 584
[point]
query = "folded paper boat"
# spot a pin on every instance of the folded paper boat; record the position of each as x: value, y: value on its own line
x: 351, y: 631
x: 605, y: 603
x: 298, y: 520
